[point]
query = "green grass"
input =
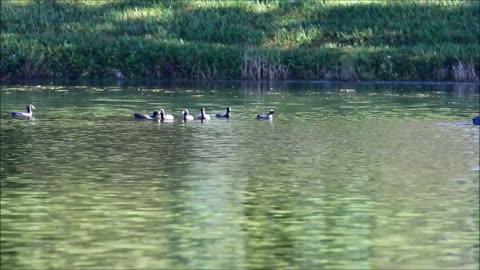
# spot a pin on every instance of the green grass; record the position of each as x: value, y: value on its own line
x: 333, y: 40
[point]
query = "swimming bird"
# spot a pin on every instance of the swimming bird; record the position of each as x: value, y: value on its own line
x: 269, y: 116
x: 186, y: 116
x: 476, y: 121
x: 27, y: 114
x: 224, y: 115
x: 146, y: 116
x: 203, y: 115
x: 164, y: 116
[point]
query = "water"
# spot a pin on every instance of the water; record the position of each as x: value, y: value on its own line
x: 361, y: 176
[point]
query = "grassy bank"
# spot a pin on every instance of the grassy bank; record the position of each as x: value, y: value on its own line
x: 348, y: 40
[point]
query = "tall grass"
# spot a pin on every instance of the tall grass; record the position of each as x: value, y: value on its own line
x: 259, y: 40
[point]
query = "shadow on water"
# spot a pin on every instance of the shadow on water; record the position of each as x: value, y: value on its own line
x: 15, y: 143
x: 15, y: 152
x: 9, y: 258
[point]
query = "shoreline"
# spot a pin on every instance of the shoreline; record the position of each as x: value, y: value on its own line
x: 150, y: 82
x: 43, y: 80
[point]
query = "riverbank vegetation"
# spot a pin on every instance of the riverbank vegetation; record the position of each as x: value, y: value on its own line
x: 256, y: 40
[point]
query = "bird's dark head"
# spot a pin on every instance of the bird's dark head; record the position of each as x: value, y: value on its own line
x: 30, y: 107
x: 155, y: 114
x: 271, y: 112
x: 229, y: 109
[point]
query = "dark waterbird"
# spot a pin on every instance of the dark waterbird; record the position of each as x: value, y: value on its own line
x: 146, y: 116
x: 476, y: 121
x: 224, y: 115
x: 268, y: 116
x: 186, y: 116
x: 164, y: 117
x: 27, y: 114
x: 203, y: 115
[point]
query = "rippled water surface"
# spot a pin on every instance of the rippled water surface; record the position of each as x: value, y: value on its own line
x: 367, y: 176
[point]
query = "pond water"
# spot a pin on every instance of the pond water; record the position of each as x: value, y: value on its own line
x: 362, y: 176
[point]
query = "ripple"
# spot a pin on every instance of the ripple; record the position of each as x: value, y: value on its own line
x: 368, y: 179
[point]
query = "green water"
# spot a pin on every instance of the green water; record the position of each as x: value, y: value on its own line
x: 367, y: 176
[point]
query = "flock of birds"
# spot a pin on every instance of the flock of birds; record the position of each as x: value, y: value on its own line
x: 162, y: 115
x: 186, y: 116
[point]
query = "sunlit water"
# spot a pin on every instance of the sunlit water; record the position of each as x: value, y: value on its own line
x: 368, y: 176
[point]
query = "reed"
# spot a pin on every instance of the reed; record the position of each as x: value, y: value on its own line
x: 257, y: 40
x: 463, y: 72
x: 256, y: 67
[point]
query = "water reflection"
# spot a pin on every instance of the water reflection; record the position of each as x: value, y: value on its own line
x: 346, y: 176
